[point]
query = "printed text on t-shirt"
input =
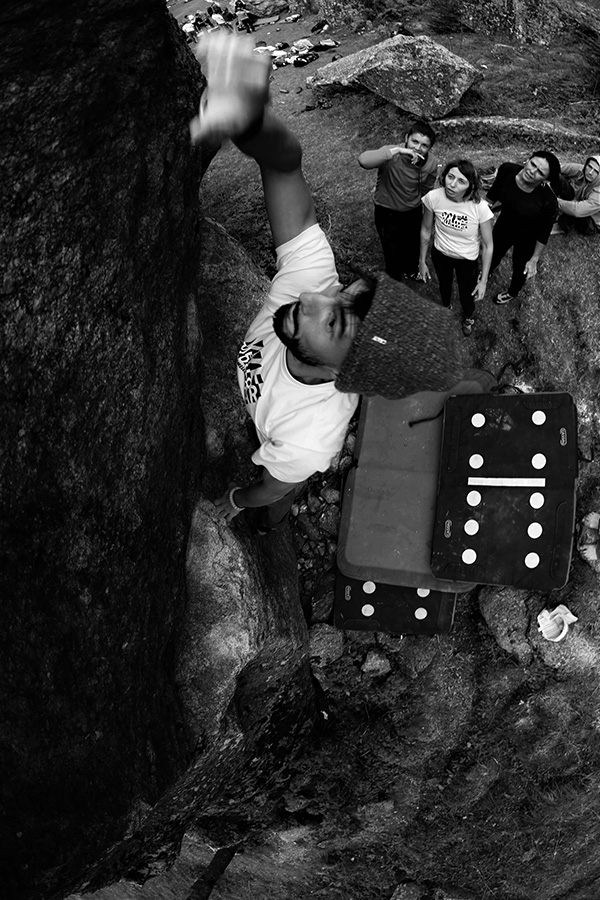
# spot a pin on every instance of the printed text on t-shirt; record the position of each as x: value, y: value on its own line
x: 455, y: 220
x: 250, y: 362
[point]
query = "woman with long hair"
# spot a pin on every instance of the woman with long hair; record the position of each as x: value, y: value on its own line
x: 462, y: 225
x: 529, y: 207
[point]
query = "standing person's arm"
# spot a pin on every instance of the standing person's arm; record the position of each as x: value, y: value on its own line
x: 494, y: 195
x: 426, y: 229
x: 531, y: 265
x: 487, y: 244
x: 373, y: 159
x: 546, y: 220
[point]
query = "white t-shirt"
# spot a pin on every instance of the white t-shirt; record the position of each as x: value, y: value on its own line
x: 301, y: 426
x: 456, y: 225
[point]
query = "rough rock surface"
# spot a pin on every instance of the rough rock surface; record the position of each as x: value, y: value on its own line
x: 268, y: 8
x: 505, y: 612
x: 531, y: 20
x: 483, y: 129
x: 414, y: 73
x: 106, y: 316
x: 101, y: 425
x: 525, y: 19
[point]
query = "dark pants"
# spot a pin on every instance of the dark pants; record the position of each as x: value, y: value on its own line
x: 523, y: 246
x: 466, y: 278
x: 584, y: 225
x: 400, y: 236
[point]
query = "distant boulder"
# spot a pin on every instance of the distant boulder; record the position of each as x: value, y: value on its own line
x: 267, y: 8
x: 414, y: 73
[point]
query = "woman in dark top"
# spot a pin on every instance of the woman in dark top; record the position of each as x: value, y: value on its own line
x: 529, y: 206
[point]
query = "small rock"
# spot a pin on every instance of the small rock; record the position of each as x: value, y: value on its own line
x: 330, y: 495
x: 314, y: 503
x: 326, y: 644
x: 410, y: 891
x: 310, y: 529
x: 376, y: 663
x: 506, y: 615
x: 378, y: 814
x: 329, y: 520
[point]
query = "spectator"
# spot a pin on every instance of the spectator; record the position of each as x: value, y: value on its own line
x: 462, y: 223
x: 529, y: 207
x: 581, y: 211
x: 405, y: 172
x: 189, y: 29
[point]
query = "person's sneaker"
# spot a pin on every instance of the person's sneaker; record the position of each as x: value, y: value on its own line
x: 556, y: 229
x: 503, y: 297
x: 467, y: 326
x: 238, y: 88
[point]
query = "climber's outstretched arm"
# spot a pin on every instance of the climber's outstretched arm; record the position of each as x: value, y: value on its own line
x: 234, y: 105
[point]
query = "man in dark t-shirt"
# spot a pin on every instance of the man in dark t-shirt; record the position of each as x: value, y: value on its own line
x: 529, y: 208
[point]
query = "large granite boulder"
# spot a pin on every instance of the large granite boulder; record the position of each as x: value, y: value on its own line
x: 414, y: 73
x: 525, y: 19
x: 104, y: 312
x: 101, y: 425
x: 482, y: 131
x: 268, y: 8
x: 538, y: 21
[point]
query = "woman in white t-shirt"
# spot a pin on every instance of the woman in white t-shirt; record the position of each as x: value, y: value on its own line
x: 462, y: 224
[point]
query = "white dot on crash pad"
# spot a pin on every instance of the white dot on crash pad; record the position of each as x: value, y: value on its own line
x: 476, y: 461
x: 532, y: 560
x: 469, y: 556
x: 538, y: 461
x: 471, y: 526
x: 473, y: 498
x: 534, y: 530
x: 368, y: 610
x: 420, y: 613
x: 537, y: 500
x: 423, y: 592
x: 538, y: 417
x: 369, y: 587
x: 478, y: 420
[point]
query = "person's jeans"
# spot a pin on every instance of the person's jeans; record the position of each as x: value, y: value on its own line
x: 400, y: 236
x: 466, y: 277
